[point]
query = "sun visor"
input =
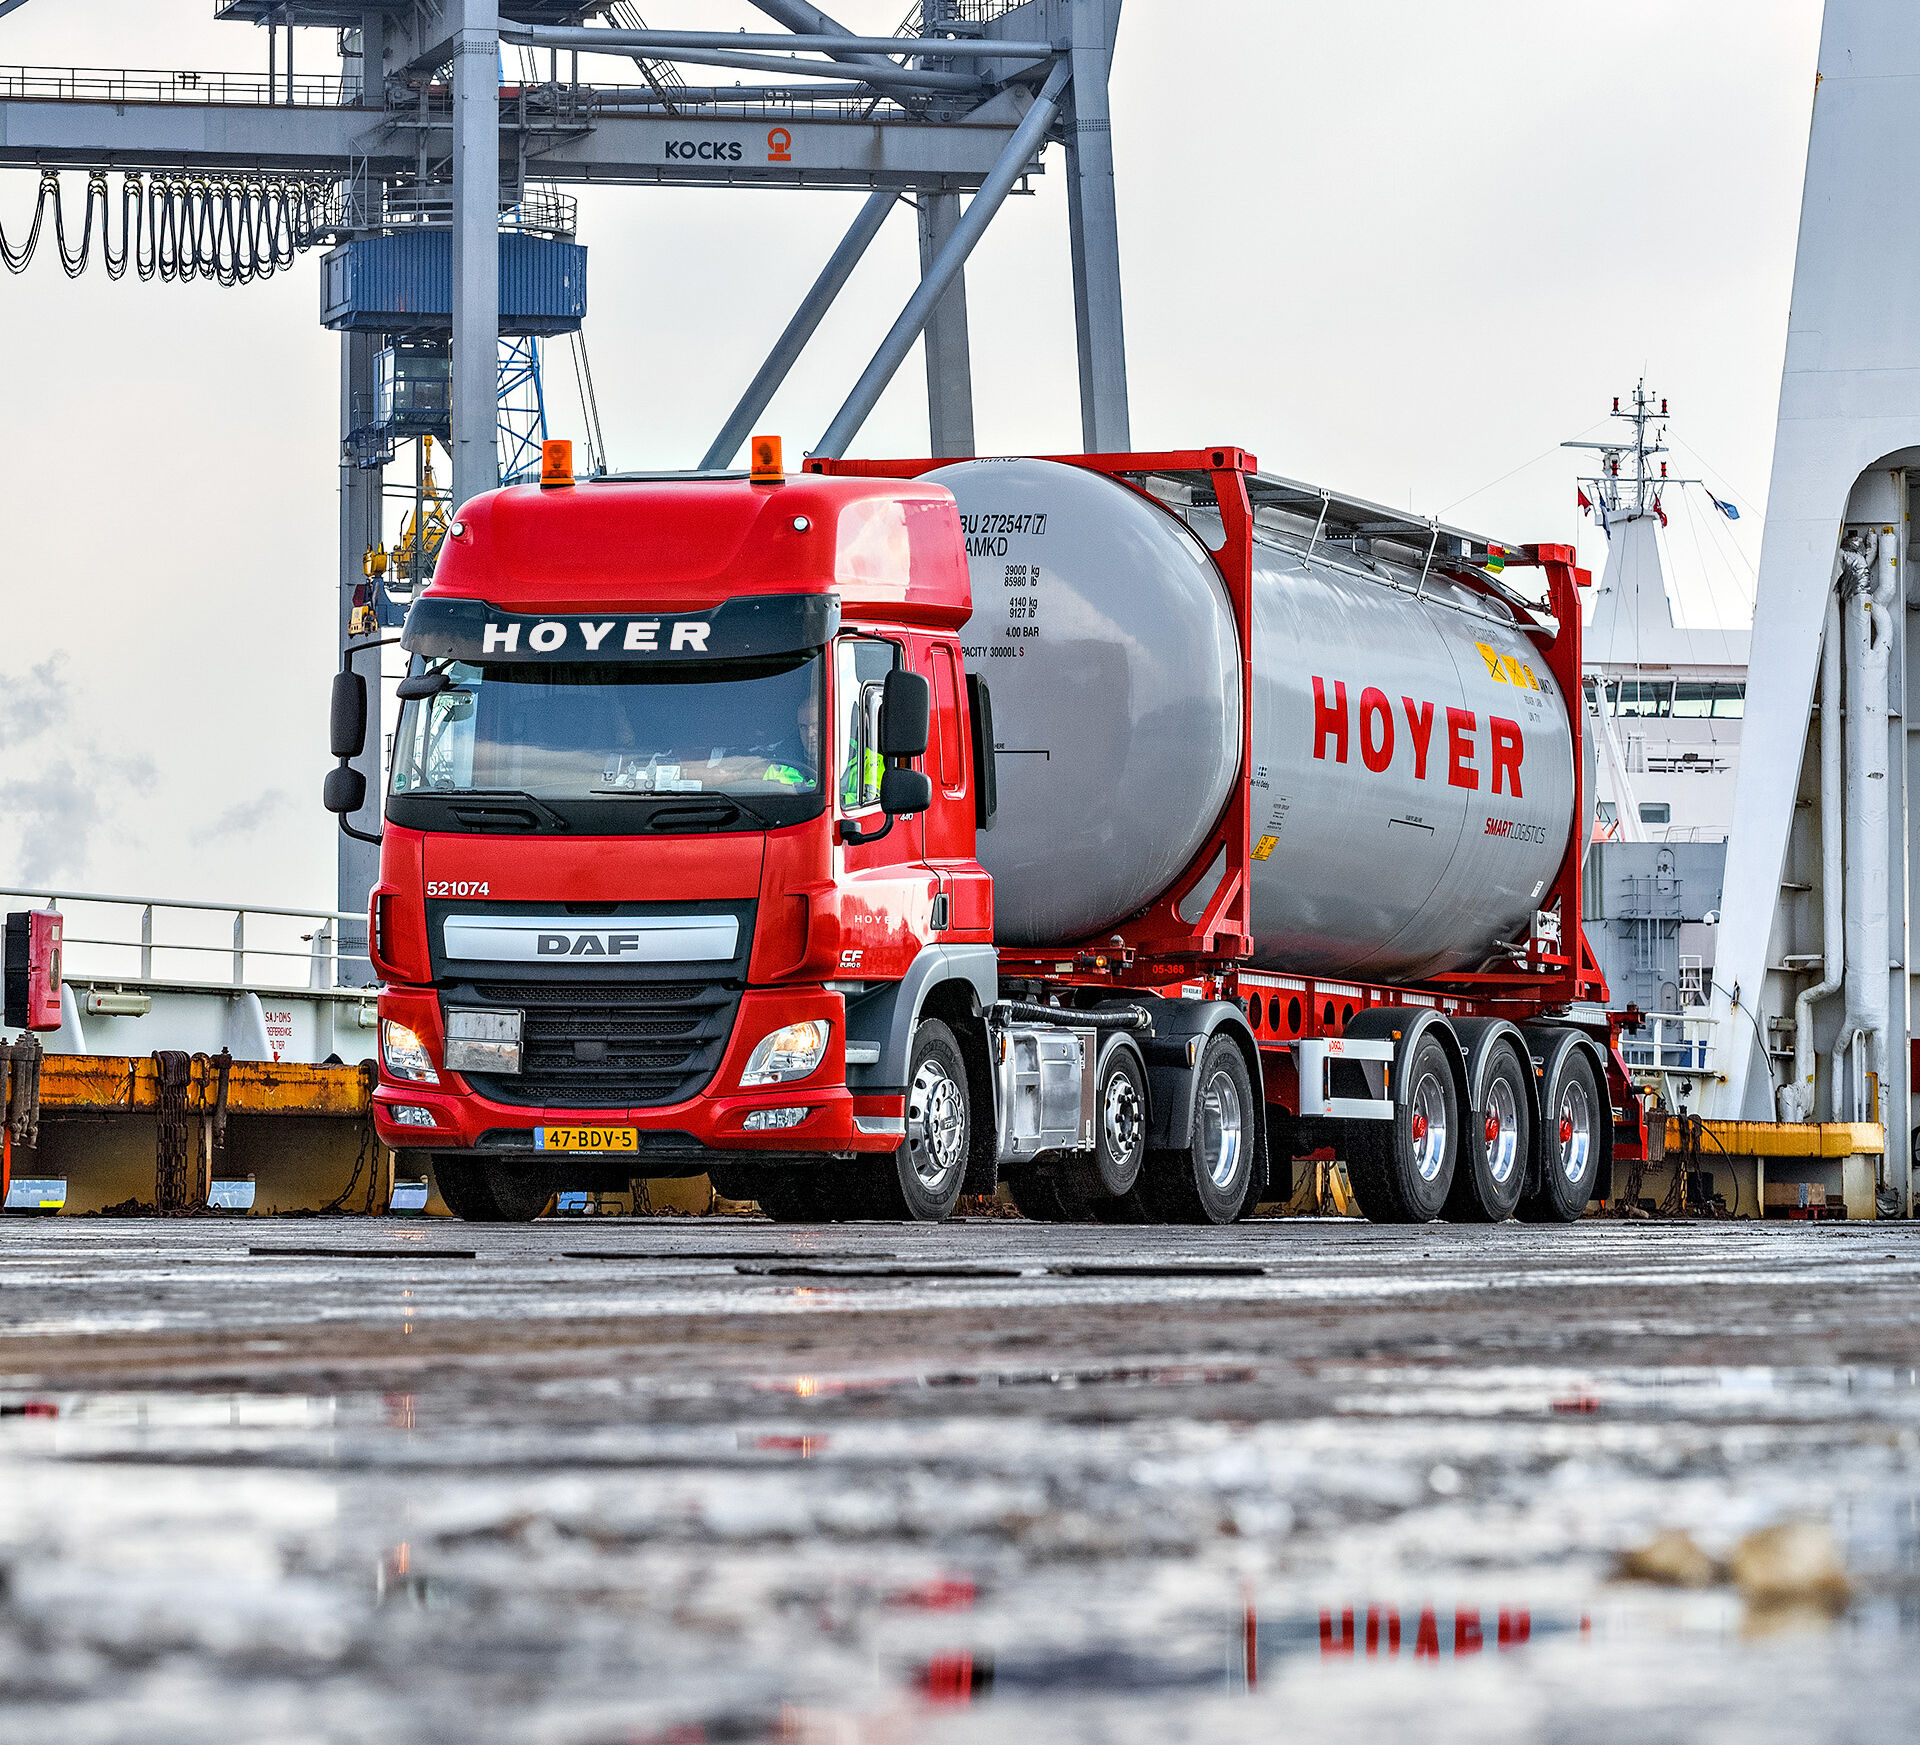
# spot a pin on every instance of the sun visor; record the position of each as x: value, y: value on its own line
x: 748, y: 624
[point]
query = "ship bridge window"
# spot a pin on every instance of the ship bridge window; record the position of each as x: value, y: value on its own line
x: 1655, y: 812
x: 1697, y: 700
x: 1607, y: 812
x: 1645, y: 697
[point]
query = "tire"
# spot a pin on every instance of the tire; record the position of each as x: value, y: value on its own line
x: 484, y: 1192
x: 1211, y: 1180
x: 1103, y: 1185
x: 1119, y: 1128
x: 922, y: 1181
x: 1495, y: 1145
x: 1571, y: 1113
x: 1403, y: 1169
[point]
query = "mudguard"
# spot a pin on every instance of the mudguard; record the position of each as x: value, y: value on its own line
x: 1171, y: 1082
x: 1404, y: 1026
x: 1478, y: 1039
x: 884, y: 1017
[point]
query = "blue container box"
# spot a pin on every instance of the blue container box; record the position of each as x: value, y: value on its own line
x: 404, y: 284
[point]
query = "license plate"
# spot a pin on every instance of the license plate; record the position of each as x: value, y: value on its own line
x: 586, y: 1139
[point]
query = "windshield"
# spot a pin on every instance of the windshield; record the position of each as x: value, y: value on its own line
x: 606, y: 733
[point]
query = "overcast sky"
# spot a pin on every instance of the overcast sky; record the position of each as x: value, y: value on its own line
x: 1398, y: 248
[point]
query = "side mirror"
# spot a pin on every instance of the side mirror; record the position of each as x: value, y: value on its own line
x: 346, y: 790
x: 905, y: 790
x: 906, y: 709
x: 417, y: 685
x: 347, y: 724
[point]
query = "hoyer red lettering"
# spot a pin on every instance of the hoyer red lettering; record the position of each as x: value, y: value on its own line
x: 1460, y: 770
x: 1333, y: 729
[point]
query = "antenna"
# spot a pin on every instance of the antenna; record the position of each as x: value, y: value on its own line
x: 1626, y: 495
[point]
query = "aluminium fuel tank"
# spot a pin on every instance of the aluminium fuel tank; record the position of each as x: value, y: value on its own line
x: 1412, y: 780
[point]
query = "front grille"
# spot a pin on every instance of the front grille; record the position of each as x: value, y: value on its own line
x: 663, y: 1041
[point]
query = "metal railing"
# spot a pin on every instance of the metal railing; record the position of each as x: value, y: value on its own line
x: 916, y: 22
x: 1671, y: 1045
x: 767, y: 102
x: 540, y: 210
x: 134, y: 952
x: 175, y: 85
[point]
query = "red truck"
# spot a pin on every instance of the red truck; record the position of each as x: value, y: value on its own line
x: 1120, y: 828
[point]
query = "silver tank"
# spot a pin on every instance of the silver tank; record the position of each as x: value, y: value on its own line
x: 1381, y: 846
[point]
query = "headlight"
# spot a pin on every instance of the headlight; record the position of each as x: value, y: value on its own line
x: 405, y: 1055
x: 789, y: 1053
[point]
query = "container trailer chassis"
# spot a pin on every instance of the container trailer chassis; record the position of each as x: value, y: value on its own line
x: 1519, y: 1059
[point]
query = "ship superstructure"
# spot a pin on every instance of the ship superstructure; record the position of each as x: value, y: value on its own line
x: 1667, y: 700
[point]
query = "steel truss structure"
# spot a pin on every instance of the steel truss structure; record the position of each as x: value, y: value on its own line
x: 960, y: 106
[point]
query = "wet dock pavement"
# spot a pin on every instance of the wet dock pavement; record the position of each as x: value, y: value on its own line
x: 600, y: 1482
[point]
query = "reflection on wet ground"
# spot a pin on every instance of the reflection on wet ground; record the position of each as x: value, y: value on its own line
x: 1346, y: 1484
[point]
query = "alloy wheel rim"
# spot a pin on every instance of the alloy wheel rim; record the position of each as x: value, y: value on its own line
x: 1576, y: 1132
x: 1503, y: 1131
x: 1428, y: 1126
x: 1121, y: 1116
x: 936, y: 1126
x: 1221, y: 1129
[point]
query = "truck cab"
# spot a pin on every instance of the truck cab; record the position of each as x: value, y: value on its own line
x: 678, y: 871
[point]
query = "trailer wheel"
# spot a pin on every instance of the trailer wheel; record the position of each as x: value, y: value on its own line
x: 920, y: 1182
x: 1403, y: 1169
x: 1208, y: 1181
x: 1570, y: 1148
x: 1492, y: 1169
x: 485, y: 1192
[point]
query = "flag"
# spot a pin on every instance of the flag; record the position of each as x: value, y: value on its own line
x: 1661, y: 512
x: 1726, y: 509
x: 1586, y: 502
x: 1496, y: 559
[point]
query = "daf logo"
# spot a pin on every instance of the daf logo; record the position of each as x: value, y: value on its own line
x: 586, y: 944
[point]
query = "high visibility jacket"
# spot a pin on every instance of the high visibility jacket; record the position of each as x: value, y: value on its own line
x: 851, y: 786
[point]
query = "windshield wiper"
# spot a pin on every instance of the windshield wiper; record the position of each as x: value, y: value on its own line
x: 689, y: 801
x: 518, y: 799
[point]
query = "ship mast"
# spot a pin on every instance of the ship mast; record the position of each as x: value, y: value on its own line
x: 1626, y: 495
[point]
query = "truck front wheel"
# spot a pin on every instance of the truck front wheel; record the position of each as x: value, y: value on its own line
x: 493, y: 1193
x: 921, y: 1182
